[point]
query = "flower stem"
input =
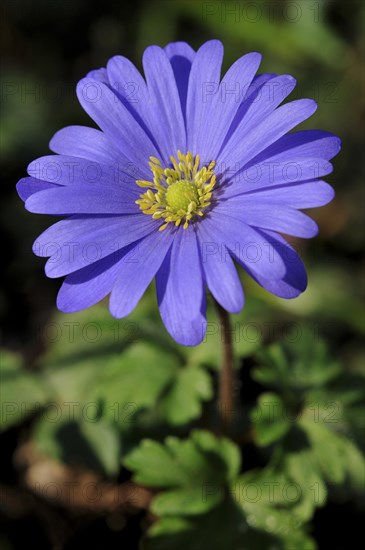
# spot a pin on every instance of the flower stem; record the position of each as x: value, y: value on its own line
x: 226, y: 405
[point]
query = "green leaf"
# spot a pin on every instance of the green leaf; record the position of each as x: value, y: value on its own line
x: 82, y: 347
x: 154, y: 466
x: 146, y: 374
x: 340, y: 406
x: 104, y: 441
x: 228, y: 525
x: 302, y: 470
x: 353, y: 487
x: 226, y: 451
x: 93, y: 445
x: 190, y: 500
x: 196, y: 471
x: 310, y: 455
x: 270, y: 419
x: 135, y: 380
x: 177, y: 463
x: 297, y: 366
x: 76, y: 380
x: 22, y: 392
x: 205, y: 504
x: 267, y: 487
x: 86, y: 335
x: 223, y: 527
x: 269, y: 501
x: 278, y: 523
x: 182, y: 400
x: 321, y: 402
x: 332, y: 451
x: 300, y: 466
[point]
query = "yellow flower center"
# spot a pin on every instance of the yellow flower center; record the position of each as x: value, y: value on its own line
x: 180, y: 193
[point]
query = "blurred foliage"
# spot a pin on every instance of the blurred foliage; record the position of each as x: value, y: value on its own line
x: 120, y: 398
x: 96, y: 408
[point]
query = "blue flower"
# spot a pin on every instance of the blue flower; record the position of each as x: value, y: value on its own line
x: 188, y: 174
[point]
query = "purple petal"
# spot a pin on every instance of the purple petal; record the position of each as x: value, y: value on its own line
x: 80, y: 241
x: 272, y: 173
x: 89, y: 285
x: 252, y: 95
x: 86, y: 143
x: 220, y: 272
x: 269, y: 216
x: 26, y: 187
x: 180, y: 291
x: 310, y: 194
x: 295, y: 280
x: 247, y: 244
x: 130, y: 87
x: 100, y: 75
x: 223, y: 104
x: 204, y: 79
x: 69, y: 170
x: 306, y: 143
x: 138, y: 268
x: 271, y: 94
x: 86, y: 199
x: 165, y: 113
x: 103, y: 106
x: 128, y: 82
x: 181, y: 56
x: 243, y: 146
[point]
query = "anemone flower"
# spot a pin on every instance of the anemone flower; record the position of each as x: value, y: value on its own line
x: 188, y: 174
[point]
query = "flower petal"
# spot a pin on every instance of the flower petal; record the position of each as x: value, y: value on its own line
x: 270, y: 174
x: 89, y: 285
x: 223, y: 104
x: 70, y: 171
x: 86, y: 143
x: 269, y: 216
x: 310, y: 194
x: 181, y: 56
x: 271, y: 94
x: 295, y: 280
x: 101, y: 75
x: 204, y: 78
x: 26, y: 187
x: 80, y: 241
x: 130, y: 87
x: 165, y: 113
x: 252, y: 95
x: 220, y: 273
x: 104, y: 107
x: 138, y: 268
x: 247, y: 244
x: 128, y: 82
x: 180, y: 293
x: 86, y: 199
x: 306, y: 143
x: 243, y: 146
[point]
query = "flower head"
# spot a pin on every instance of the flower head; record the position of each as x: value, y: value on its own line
x: 188, y: 174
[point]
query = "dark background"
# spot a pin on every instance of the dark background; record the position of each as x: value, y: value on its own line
x: 49, y: 45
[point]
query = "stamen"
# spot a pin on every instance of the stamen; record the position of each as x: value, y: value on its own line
x: 180, y: 193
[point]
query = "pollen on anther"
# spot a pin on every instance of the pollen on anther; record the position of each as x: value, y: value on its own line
x: 178, y: 193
